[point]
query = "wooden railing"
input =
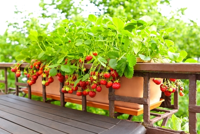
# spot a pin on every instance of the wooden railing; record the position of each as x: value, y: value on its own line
x: 147, y: 71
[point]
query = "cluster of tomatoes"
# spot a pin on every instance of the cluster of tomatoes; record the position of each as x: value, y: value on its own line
x: 36, y: 68
x: 93, y: 84
x: 72, y: 83
x: 170, y: 86
x: 16, y: 69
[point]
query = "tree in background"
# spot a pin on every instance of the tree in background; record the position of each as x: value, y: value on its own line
x: 65, y: 7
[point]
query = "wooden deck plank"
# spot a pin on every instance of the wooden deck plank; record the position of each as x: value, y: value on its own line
x: 4, y: 132
x: 63, y: 112
x: 37, y: 116
x: 14, y: 128
x: 66, y: 112
x: 29, y: 124
x: 46, y: 122
x: 28, y: 113
x: 126, y: 127
x: 97, y: 117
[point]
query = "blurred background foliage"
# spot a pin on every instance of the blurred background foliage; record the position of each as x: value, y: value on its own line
x: 186, y: 36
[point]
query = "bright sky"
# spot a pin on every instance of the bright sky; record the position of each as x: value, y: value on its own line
x: 7, y: 8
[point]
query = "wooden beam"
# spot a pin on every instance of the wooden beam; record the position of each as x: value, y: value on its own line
x: 6, y: 80
x: 194, y: 109
x: 146, y: 94
x: 21, y: 84
x: 84, y: 102
x: 164, y: 67
x: 16, y: 85
x: 2, y: 81
x: 163, y: 116
x: 192, y: 102
x: 165, y: 120
x: 128, y: 99
x: 62, y: 97
x: 44, y: 96
x: 155, y: 114
x: 111, y: 103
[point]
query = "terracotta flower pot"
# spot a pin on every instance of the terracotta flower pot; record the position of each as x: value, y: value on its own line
x: 129, y: 87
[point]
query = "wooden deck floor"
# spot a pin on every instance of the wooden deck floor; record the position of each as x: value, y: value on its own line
x: 20, y: 115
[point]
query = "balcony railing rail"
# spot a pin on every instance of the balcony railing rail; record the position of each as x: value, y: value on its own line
x: 147, y: 71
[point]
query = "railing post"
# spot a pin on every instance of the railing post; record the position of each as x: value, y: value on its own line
x: 17, y: 87
x: 6, y: 81
x: 62, y: 97
x: 84, y: 103
x: 146, y: 94
x: 176, y: 99
x: 44, y: 91
x: 111, y: 102
x: 29, y: 91
x: 192, y: 102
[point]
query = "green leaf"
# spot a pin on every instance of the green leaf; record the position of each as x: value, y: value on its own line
x: 128, y: 72
x: 161, y: 23
x: 90, y: 33
x: 127, y: 33
x: 185, y: 127
x: 137, y: 45
x: 61, y: 30
x: 54, y: 65
x: 41, y: 55
x: 79, y: 42
x: 173, y: 56
x: 102, y: 61
x: 176, y: 123
x: 130, y: 26
x: 113, y: 63
x: 112, y: 27
x: 170, y: 30
x: 19, y: 57
x: 147, y: 19
x: 144, y: 58
x: 85, y: 77
x: 182, y: 56
x: 66, y: 68
x: 190, y: 60
x: 24, y: 52
x: 33, y: 35
x: 87, y: 42
x: 169, y: 43
x: 76, y: 82
x: 60, y: 60
x: 131, y: 60
x: 121, y: 65
x: 53, y: 72
x: 118, y: 23
x: 172, y: 49
x: 113, y: 54
x: 92, y: 18
x: 141, y: 22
